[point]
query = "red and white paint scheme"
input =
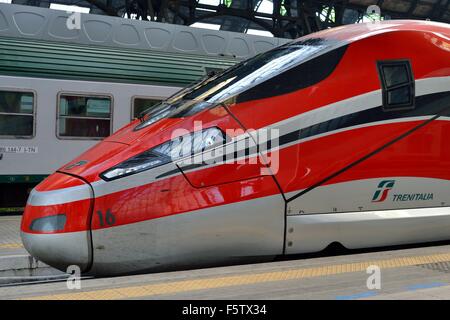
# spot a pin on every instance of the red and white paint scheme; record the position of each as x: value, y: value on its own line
x: 357, y: 120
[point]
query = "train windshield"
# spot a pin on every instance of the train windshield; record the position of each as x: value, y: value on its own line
x: 243, y: 76
x: 247, y: 74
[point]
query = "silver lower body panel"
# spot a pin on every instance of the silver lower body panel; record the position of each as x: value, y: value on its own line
x: 314, y: 232
x: 60, y: 250
x: 222, y: 234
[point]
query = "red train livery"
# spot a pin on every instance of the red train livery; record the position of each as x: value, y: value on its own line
x: 340, y: 136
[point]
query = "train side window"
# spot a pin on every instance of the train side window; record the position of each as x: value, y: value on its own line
x: 141, y: 104
x: 84, y: 116
x: 17, y: 113
x: 397, y: 82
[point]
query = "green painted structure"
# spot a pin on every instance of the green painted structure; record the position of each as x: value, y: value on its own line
x: 56, y: 60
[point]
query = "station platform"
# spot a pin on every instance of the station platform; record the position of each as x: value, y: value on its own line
x: 420, y: 272
x: 16, y: 265
x: 10, y: 243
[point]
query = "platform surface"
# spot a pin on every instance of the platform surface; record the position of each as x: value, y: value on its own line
x: 10, y: 243
x: 413, y: 273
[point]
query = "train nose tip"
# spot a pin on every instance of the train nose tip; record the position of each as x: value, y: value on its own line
x: 59, y: 250
x: 56, y: 223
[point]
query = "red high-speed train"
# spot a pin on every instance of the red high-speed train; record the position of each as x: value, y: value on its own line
x: 339, y: 136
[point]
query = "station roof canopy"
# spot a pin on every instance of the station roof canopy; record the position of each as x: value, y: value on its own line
x: 279, y: 18
x: 411, y: 9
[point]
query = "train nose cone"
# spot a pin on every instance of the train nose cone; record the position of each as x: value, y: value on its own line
x: 56, y: 223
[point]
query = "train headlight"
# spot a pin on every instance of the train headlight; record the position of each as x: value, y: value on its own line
x: 175, y: 149
x: 49, y: 223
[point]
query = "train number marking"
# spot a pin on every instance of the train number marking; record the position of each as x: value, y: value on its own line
x: 18, y: 149
x: 108, y: 220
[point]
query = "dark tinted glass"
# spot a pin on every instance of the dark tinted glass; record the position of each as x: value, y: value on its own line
x: 302, y: 76
x: 252, y: 72
x: 397, y: 83
x: 141, y: 104
x: 16, y: 125
x: 16, y: 102
x: 395, y: 75
x: 79, y: 127
x: 401, y: 95
x: 80, y: 106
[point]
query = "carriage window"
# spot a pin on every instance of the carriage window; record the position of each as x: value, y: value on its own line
x: 16, y: 114
x: 398, y: 85
x: 142, y: 104
x: 86, y: 117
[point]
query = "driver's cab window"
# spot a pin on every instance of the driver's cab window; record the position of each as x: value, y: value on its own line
x: 397, y: 84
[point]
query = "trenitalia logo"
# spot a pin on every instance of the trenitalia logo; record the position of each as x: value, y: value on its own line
x: 386, y: 185
x: 383, y: 190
